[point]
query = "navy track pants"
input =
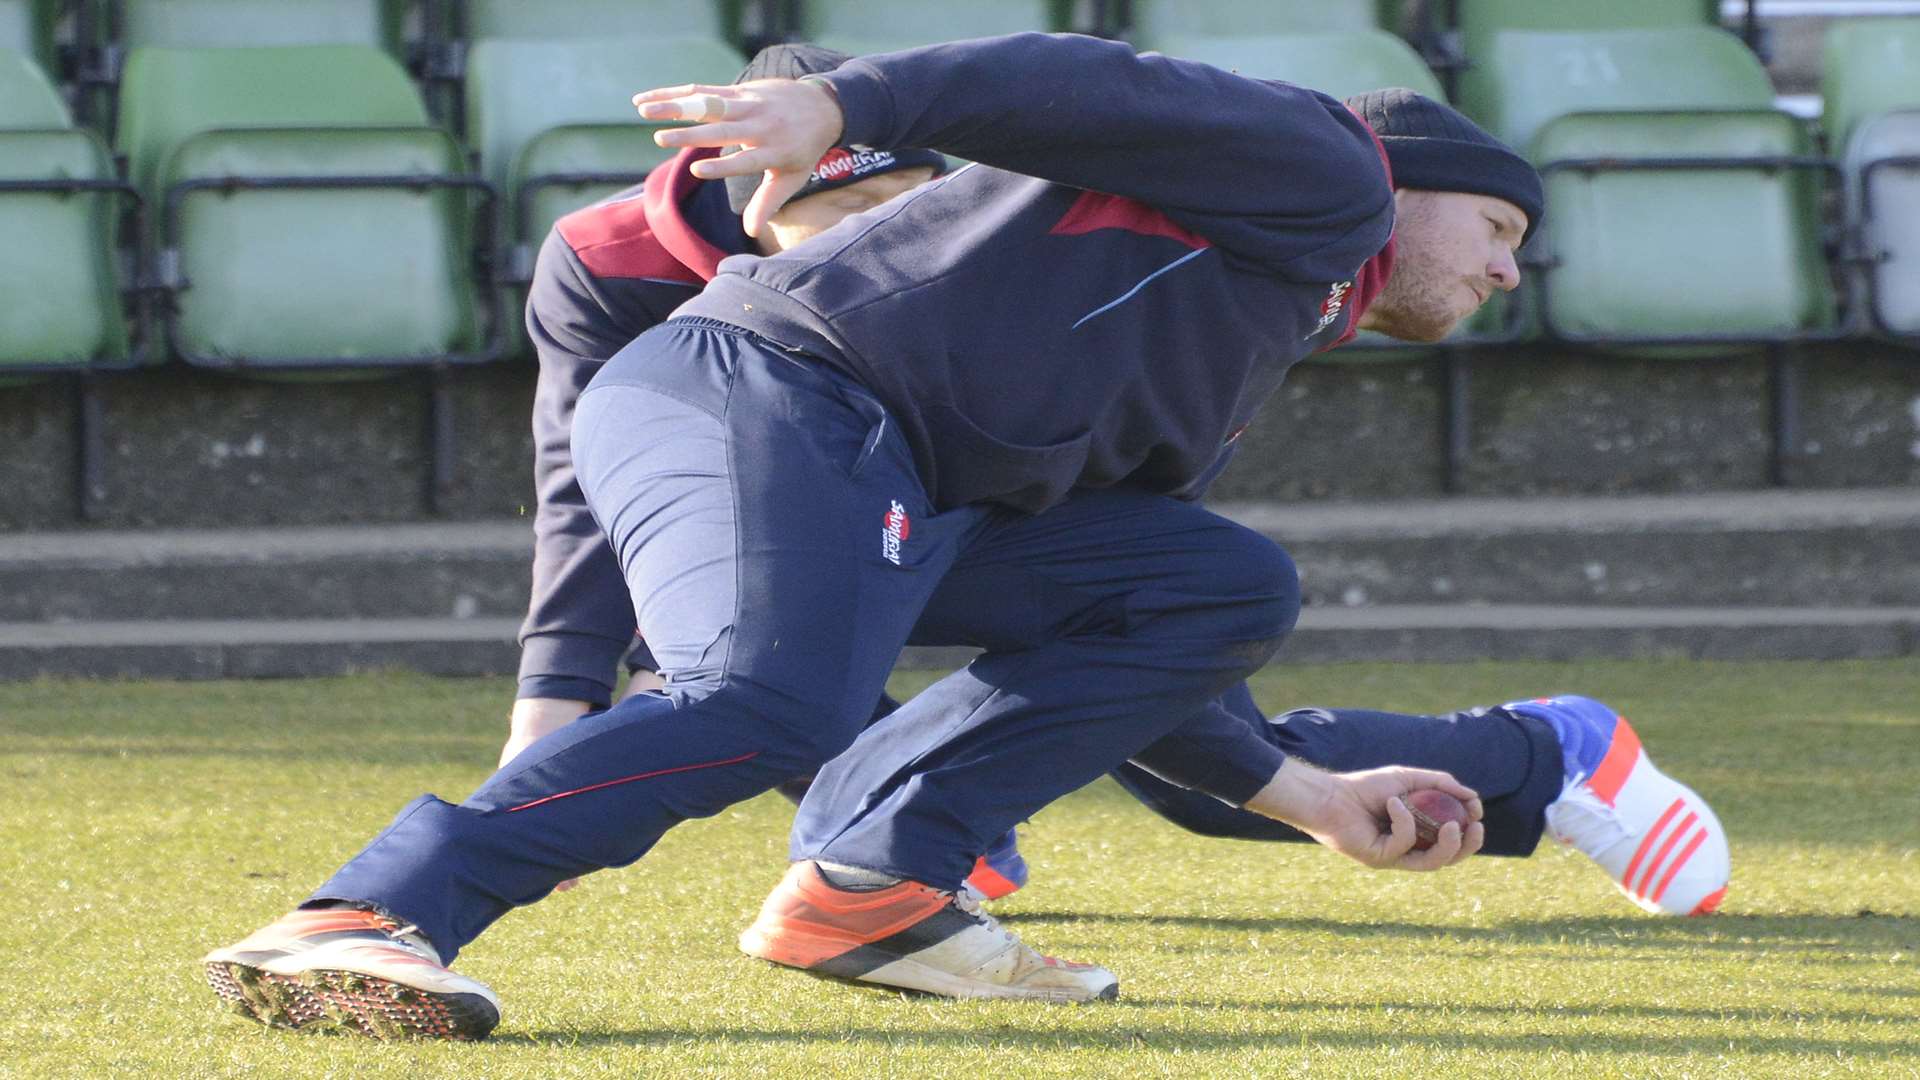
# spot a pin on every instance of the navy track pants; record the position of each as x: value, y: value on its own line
x: 780, y: 549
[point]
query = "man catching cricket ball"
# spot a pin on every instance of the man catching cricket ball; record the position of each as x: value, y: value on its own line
x: 979, y: 414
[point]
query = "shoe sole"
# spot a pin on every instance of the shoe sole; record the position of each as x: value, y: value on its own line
x: 351, y: 1002
x: 909, y: 978
x: 905, y: 973
x: 908, y: 974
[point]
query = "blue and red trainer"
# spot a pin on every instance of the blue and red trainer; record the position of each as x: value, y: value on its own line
x: 1656, y: 837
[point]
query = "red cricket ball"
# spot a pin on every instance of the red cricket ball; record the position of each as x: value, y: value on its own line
x: 1432, y: 808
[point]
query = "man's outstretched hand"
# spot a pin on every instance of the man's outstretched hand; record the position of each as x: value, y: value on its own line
x: 1361, y: 814
x: 782, y: 127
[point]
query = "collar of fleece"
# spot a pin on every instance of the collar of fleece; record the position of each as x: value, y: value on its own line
x: 1373, y: 274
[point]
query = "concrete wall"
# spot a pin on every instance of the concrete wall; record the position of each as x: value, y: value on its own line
x: 188, y: 448
x: 1544, y: 421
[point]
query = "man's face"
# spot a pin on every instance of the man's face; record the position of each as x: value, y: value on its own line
x: 803, y: 219
x: 1452, y: 250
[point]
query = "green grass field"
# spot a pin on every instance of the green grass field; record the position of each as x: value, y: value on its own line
x: 146, y: 823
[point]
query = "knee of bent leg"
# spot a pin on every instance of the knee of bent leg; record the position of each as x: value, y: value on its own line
x: 1267, y: 586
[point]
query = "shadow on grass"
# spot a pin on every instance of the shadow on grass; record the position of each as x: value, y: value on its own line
x: 1546, y: 1009
x: 1825, y: 935
x: 1878, y: 990
x: 1132, y: 1023
x: 376, y: 748
x: 1131, y: 1030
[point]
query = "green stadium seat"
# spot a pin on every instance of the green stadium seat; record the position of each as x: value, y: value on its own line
x: 57, y: 266
x: 861, y: 27
x: 1689, y: 251
x: 1457, y: 35
x: 485, y: 20
x: 1526, y: 78
x: 555, y: 127
x: 27, y: 27
x: 1477, y: 21
x: 252, y: 23
x: 1160, y: 20
x: 1625, y: 251
x: 308, y: 216
x: 171, y: 94
x: 1872, y: 66
x: 1499, y: 15
x: 27, y: 96
x: 1882, y: 163
x: 1871, y: 84
x: 570, y: 166
x: 518, y: 89
x: 1340, y: 64
x: 138, y: 24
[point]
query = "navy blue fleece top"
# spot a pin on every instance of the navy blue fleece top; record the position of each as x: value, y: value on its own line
x: 1144, y: 248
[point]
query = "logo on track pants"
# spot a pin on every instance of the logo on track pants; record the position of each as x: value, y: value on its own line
x: 894, y: 530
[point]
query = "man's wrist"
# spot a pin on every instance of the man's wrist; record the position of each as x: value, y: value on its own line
x: 1296, y: 795
x: 822, y: 83
x: 833, y: 95
x: 545, y: 713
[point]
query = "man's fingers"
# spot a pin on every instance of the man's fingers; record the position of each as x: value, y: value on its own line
x: 660, y: 92
x: 671, y: 93
x: 774, y: 191
x: 739, y: 163
x: 729, y: 134
x: 643, y: 681
x: 1475, y: 836
x: 1415, y: 779
x: 1443, y: 852
x: 695, y: 107
x: 1401, y: 833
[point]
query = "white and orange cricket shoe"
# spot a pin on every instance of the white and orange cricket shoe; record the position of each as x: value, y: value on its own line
x: 354, y: 970
x: 911, y: 936
x: 1656, y: 837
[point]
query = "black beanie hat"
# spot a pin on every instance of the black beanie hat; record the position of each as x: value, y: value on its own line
x: 839, y: 166
x: 1433, y: 147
